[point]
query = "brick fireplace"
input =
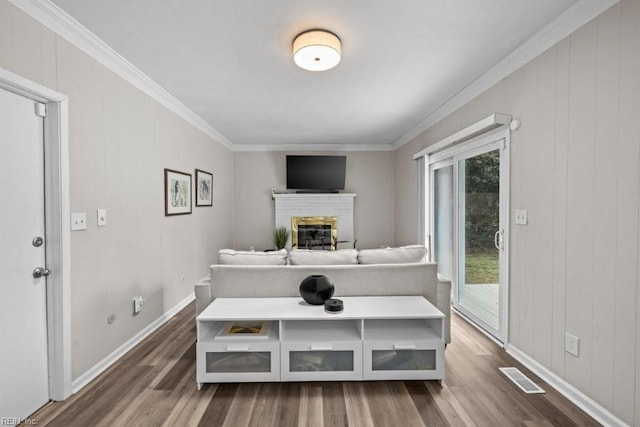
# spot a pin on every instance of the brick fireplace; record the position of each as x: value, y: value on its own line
x: 338, y: 206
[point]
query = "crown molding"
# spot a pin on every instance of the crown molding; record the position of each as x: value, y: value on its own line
x: 313, y: 147
x: 61, y: 23
x: 573, y: 18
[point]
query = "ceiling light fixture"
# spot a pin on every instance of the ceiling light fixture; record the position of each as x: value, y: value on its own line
x: 317, y: 50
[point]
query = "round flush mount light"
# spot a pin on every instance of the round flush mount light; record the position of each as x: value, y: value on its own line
x: 317, y: 50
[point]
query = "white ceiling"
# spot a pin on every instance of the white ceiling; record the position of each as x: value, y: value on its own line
x: 230, y: 61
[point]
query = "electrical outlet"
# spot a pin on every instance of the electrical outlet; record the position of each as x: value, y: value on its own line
x: 138, y: 303
x: 572, y: 344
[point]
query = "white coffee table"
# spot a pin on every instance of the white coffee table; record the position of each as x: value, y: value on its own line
x: 374, y: 338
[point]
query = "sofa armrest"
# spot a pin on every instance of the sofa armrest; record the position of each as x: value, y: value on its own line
x: 444, y: 305
x: 203, y: 293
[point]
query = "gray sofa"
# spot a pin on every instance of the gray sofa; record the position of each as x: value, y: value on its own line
x: 243, y: 280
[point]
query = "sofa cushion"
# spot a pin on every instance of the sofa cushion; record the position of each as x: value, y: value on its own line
x: 401, y: 255
x: 233, y: 257
x: 311, y: 257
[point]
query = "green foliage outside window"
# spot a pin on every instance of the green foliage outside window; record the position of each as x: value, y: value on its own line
x: 482, y: 217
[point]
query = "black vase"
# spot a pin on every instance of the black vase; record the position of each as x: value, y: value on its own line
x: 316, y: 289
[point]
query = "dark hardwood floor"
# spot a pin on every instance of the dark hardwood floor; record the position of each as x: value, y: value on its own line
x: 154, y: 385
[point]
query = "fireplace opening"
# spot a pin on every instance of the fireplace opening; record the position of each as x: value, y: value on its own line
x: 314, y: 237
x: 315, y: 233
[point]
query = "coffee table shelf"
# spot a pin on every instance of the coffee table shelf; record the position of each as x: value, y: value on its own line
x: 312, y: 330
x: 374, y: 338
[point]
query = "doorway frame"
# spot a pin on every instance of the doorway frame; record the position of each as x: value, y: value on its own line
x: 57, y: 225
x: 492, y: 128
x: 498, y: 140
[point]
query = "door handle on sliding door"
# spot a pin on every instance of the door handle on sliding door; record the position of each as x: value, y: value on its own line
x: 497, y: 240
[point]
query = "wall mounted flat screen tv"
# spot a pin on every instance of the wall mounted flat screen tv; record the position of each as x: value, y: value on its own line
x: 316, y: 173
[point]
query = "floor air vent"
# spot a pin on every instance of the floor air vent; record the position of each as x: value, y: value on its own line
x: 521, y: 380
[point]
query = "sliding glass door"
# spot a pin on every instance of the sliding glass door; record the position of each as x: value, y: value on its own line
x: 469, y: 209
x: 479, y: 232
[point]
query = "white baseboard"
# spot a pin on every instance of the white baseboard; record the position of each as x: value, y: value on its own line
x: 577, y: 397
x: 105, y: 363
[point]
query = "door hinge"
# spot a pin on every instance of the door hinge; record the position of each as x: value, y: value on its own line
x: 41, y: 109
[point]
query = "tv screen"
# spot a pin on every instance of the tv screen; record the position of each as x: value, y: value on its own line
x: 319, y: 173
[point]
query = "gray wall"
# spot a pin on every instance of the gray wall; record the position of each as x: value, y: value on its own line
x: 369, y: 174
x: 575, y: 166
x: 120, y: 142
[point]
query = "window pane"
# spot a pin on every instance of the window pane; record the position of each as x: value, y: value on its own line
x: 443, y: 220
x: 479, y: 192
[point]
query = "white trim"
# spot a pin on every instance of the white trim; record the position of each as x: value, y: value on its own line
x: 61, y: 23
x: 25, y: 87
x: 313, y: 147
x: 505, y: 220
x: 58, y: 244
x: 59, y: 234
x: 577, y: 397
x: 490, y: 141
x: 105, y: 363
x: 424, y: 235
x: 483, y: 136
x: 573, y: 18
x: 476, y: 129
x: 474, y: 143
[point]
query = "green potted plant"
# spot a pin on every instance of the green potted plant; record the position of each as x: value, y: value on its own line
x: 280, y: 237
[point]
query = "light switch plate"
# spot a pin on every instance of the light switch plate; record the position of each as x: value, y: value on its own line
x: 78, y: 221
x: 521, y: 217
x: 102, y: 217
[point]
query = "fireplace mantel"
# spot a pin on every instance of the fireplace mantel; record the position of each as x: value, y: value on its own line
x: 339, y: 205
x: 312, y: 195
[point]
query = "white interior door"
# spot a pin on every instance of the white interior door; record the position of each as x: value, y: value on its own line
x: 24, y: 376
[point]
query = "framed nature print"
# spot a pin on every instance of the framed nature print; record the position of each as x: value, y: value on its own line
x: 204, y: 188
x: 177, y: 193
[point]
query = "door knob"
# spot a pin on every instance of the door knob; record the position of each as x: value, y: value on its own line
x: 41, y: 272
